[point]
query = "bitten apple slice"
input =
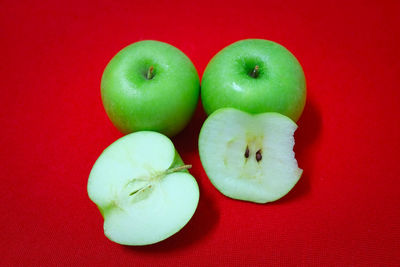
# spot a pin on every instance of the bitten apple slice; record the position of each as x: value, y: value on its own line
x: 249, y: 157
x: 142, y: 189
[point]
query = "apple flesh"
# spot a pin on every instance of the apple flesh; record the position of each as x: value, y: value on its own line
x: 255, y: 76
x: 150, y: 85
x: 142, y: 189
x: 249, y: 157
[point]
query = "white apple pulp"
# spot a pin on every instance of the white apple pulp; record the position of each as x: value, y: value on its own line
x: 139, y: 191
x: 249, y: 157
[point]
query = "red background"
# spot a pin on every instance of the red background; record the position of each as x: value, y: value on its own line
x: 343, y: 212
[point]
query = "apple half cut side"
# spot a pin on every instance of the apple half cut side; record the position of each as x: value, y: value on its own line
x: 142, y: 189
x: 249, y: 157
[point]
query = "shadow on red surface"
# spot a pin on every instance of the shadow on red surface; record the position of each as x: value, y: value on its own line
x: 202, y: 222
x: 187, y: 140
x: 307, y: 134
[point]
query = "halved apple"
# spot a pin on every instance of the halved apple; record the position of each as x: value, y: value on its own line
x: 142, y: 189
x: 249, y: 157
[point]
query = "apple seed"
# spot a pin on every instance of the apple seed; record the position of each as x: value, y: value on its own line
x: 258, y: 155
x: 247, y: 152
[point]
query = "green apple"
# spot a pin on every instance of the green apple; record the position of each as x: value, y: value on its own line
x: 142, y: 189
x: 150, y: 85
x: 255, y: 76
x: 249, y: 157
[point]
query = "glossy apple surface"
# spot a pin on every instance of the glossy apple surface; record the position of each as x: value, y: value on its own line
x: 142, y: 189
x: 255, y: 76
x: 249, y: 157
x: 150, y: 85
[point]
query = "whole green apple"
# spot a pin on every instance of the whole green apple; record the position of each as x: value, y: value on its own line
x: 150, y: 85
x: 255, y: 76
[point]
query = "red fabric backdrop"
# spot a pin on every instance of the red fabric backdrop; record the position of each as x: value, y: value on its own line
x: 343, y: 212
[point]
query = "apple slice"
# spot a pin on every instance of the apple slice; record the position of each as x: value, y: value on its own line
x: 249, y: 157
x: 142, y: 189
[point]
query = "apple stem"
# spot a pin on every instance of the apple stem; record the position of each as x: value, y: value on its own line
x: 150, y: 74
x: 149, y: 185
x: 140, y: 190
x: 180, y: 168
x: 254, y: 73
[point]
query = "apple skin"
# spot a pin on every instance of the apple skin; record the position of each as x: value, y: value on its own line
x: 165, y: 103
x: 280, y: 85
